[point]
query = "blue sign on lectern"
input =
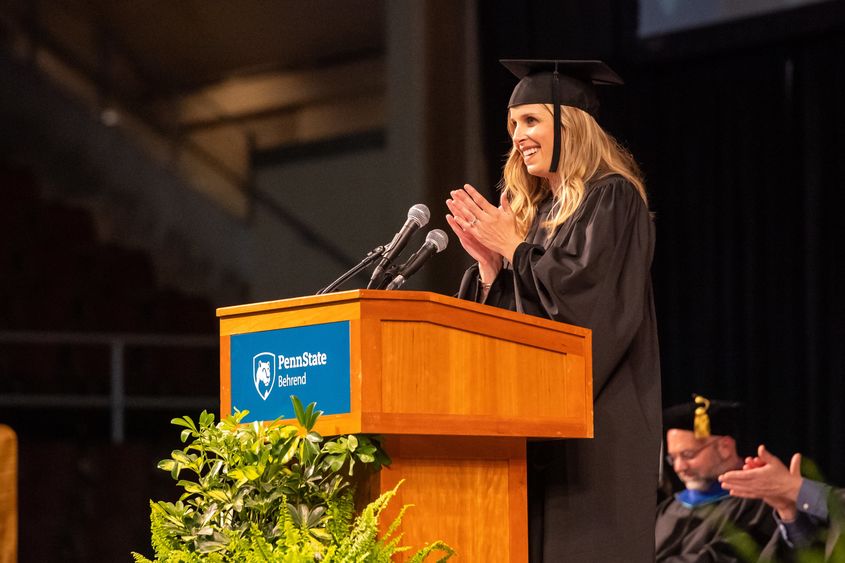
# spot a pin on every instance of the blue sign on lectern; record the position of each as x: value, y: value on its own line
x: 311, y: 362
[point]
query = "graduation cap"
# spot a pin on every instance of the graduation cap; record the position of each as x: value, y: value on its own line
x: 559, y: 82
x: 705, y: 417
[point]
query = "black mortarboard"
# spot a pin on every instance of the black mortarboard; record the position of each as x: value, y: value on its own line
x: 557, y: 82
x: 705, y: 417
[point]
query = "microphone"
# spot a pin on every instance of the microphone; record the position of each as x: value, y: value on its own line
x: 436, y: 241
x: 418, y: 216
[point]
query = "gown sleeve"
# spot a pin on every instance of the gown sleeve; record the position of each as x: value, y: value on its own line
x: 501, y: 293
x: 594, y: 273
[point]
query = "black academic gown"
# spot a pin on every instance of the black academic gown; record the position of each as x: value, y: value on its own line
x: 707, y: 534
x: 594, y: 500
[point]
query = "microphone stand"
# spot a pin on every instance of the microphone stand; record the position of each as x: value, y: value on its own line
x: 369, y: 259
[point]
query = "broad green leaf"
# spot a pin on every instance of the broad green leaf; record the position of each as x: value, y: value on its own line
x: 182, y: 457
x: 298, y: 411
x: 320, y: 533
x: 334, y: 448
x: 315, y: 516
x: 312, y: 447
x: 184, y: 421
x: 216, y: 467
x: 206, y: 418
x: 166, y: 464
x: 218, y: 494
x: 189, y: 486
x: 335, y: 462
x: 308, y: 412
x: 314, y: 437
x: 209, y: 514
x: 209, y: 546
x: 365, y: 447
x: 313, y: 417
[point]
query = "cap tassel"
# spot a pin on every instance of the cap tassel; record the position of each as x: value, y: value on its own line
x: 701, y: 423
x: 556, y: 114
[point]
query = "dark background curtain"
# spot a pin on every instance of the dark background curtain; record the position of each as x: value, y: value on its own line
x: 739, y: 131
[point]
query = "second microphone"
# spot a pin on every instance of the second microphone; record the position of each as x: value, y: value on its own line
x: 436, y: 241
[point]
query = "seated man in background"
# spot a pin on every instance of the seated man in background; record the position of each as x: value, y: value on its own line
x: 809, y: 513
x: 703, y: 523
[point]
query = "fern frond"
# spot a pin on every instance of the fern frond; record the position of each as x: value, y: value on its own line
x: 422, y: 554
x: 396, y: 522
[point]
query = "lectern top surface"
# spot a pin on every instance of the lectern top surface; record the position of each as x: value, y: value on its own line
x: 375, y: 295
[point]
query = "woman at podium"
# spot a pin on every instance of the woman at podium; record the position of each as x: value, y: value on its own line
x: 572, y: 240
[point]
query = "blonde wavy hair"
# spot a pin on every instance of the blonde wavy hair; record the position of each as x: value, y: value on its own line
x: 588, y: 153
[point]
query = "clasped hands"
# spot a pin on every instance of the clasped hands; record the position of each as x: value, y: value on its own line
x: 488, y: 233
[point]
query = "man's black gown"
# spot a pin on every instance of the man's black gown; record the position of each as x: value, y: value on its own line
x: 594, y: 500
x: 707, y: 534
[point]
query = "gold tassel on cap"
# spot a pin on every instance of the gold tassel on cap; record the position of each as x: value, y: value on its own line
x: 701, y: 423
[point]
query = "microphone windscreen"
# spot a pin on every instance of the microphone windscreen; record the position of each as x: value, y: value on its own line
x: 438, y: 238
x: 420, y: 214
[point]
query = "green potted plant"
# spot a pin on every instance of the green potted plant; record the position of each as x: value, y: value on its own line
x: 275, y: 492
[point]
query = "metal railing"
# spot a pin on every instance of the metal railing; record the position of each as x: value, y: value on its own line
x: 116, y: 401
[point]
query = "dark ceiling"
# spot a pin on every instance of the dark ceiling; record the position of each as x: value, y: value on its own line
x: 189, y: 44
x: 219, y: 79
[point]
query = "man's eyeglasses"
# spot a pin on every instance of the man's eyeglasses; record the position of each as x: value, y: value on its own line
x: 688, y: 455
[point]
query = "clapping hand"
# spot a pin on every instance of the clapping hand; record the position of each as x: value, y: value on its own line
x: 767, y: 478
x: 486, y: 232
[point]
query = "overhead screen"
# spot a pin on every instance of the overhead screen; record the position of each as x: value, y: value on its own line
x: 658, y: 17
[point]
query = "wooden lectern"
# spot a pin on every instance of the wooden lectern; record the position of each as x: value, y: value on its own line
x: 456, y: 388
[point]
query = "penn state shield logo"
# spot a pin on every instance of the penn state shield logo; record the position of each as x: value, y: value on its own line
x: 264, y: 373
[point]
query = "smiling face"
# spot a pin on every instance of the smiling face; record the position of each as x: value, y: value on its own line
x: 532, y: 132
x: 698, y: 462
